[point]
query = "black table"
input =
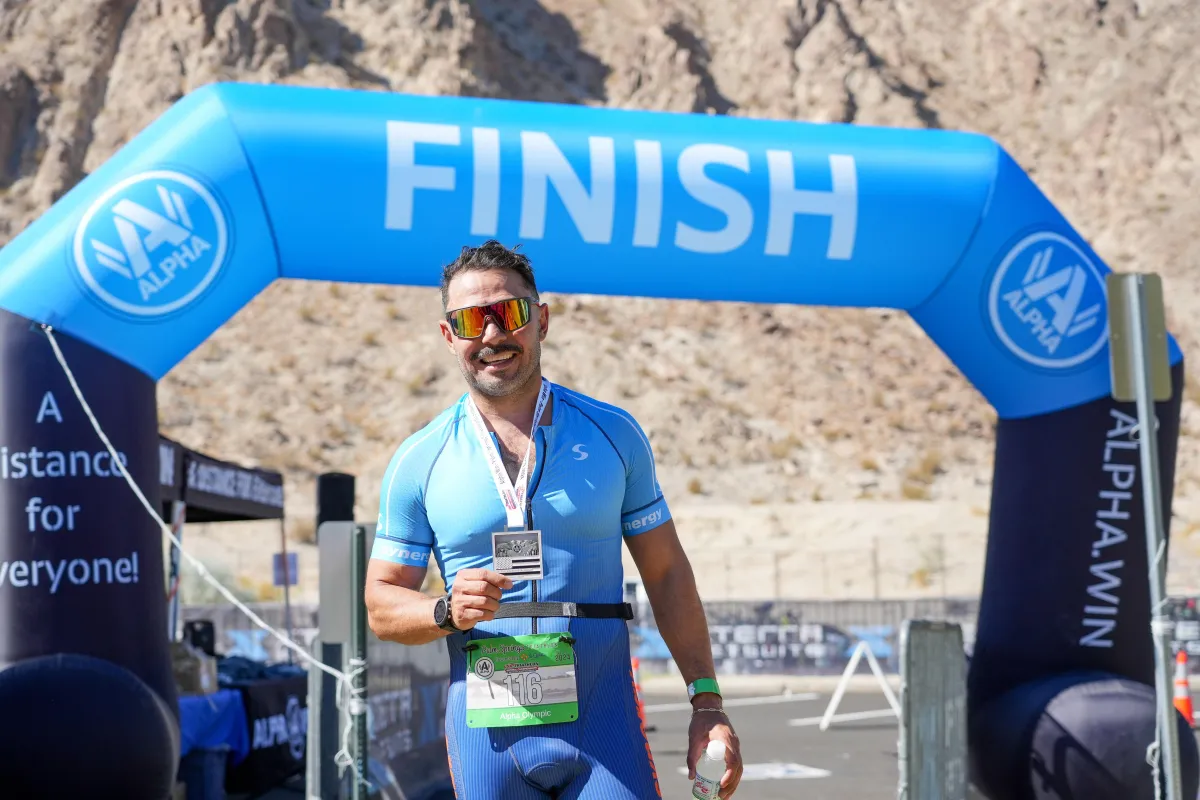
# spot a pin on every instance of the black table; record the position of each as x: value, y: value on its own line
x: 277, y: 719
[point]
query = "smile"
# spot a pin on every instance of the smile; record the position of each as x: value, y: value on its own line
x: 498, y: 359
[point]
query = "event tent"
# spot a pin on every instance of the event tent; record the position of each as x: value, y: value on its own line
x: 214, y: 490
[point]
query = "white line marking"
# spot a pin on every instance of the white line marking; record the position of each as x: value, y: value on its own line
x: 776, y: 771
x: 741, y: 701
x: 877, y: 714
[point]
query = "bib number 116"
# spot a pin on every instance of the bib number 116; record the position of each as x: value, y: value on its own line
x: 525, y: 688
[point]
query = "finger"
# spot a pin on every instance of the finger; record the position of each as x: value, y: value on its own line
x: 479, y: 601
x: 496, y: 579
x: 728, y: 784
x: 478, y: 588
x: 693, y: 756
x: 475, y: 615
x: 469, y: 574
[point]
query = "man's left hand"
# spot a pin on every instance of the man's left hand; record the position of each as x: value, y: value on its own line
x: 709, y: 726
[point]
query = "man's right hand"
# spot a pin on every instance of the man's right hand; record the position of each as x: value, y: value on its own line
x: 475, y: 596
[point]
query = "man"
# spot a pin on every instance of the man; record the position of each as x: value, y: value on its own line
x: 541, y: 702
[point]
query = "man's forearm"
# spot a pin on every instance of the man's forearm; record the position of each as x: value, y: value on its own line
x: 681, y: 621
x: 401, y: 615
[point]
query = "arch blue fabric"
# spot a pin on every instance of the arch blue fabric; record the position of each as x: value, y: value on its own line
x: 594, y: 482
x: 238, y: 185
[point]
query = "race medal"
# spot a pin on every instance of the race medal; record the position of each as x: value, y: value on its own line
x: 518, y: 555
x: 521, y: 680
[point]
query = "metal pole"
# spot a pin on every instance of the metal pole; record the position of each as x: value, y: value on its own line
x: 942, y: 563
x: 1168, y: 732
x: 178, y: 517
x: 335, y: 503
x: 287, y: 580
x: 875, y: 565
x: 358, y: 662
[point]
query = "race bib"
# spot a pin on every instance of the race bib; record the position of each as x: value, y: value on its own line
x: 521, y: 680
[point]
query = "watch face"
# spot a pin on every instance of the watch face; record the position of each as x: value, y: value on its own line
x: 439, y: 611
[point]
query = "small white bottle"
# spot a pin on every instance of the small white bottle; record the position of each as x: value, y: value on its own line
x: 709, y: 771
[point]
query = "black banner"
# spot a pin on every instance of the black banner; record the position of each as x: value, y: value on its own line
x: 1065, y: 584
x: 407, y: 724
x: 215, y: 490
x: 83, y: 655
x: 170, y: 474
x: 80, y: 558
x: 277, y: 716
x: 1060, y: 687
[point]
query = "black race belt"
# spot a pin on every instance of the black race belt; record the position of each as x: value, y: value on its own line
x: 581, y: 610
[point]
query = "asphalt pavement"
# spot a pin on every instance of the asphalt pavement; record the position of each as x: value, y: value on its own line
x: 785, y: 753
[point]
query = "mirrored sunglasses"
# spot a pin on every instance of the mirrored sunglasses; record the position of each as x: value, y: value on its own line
x: 511, y: 314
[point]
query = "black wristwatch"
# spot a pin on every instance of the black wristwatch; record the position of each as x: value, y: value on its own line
x: 441, y: 614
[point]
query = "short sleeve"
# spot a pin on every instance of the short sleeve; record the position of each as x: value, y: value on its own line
x: 402, y: 534
x: 645, y: 507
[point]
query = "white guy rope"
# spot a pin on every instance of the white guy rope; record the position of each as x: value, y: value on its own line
x: 357, y: 705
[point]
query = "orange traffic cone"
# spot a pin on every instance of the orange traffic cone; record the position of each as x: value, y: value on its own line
x: 1183, y: 693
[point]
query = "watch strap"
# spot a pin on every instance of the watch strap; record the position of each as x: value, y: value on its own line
x: 447, y: 624
x: 703, y: 685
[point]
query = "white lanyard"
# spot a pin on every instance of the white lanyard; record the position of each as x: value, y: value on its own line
x: 513, y: 498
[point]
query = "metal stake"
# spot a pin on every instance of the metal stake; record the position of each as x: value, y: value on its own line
x: 358, y: 662
x: 1136, y: 336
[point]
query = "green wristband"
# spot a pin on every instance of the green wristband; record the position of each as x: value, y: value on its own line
x: 703, y: 685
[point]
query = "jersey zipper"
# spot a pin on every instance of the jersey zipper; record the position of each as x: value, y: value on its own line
x: 529, y: 522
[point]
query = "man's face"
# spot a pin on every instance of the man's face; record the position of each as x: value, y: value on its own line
x: 498, y: 363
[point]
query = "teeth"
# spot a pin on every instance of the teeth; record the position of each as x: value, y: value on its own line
x: 498, y: 358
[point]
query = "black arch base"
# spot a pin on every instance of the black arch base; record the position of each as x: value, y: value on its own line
x: 88, y: 705
x: 1060, y: 686
x: 76, y: 726
x: 1075, y: 736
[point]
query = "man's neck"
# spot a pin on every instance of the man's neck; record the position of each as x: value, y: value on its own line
x: 515, y: 409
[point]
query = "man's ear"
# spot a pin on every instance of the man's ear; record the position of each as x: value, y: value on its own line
x: 447, y: 334
x: 543, y: 321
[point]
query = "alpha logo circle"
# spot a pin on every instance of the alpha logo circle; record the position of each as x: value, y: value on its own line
x: 152, y: 243
x: 1047, y: 302
x: 484, y: 668
x: 297, y: 727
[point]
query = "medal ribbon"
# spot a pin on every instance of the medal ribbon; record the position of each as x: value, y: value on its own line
x: 514, y: 498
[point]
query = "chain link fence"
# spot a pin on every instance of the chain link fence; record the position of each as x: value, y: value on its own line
x: 768, y: 637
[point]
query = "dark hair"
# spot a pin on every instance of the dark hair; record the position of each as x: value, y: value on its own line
x: 489, y: 255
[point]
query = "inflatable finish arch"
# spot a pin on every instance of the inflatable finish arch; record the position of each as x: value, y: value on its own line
x: 239, y: 185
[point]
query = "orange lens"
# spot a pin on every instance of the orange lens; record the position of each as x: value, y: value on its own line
x: 468, y: 323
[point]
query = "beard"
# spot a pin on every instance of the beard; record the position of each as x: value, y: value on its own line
x: 497, y: 385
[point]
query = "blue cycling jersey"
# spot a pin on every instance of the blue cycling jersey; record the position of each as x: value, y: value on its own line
x: 593, y: 483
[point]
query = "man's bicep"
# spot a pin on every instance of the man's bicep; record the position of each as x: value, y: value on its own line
x: 403, y: 534
x: 645, y: 507
x: 400, y: 551
x: 655, y: 551
x: 389, y: 573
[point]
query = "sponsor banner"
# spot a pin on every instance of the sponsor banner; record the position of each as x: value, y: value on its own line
x: 277, y: 716
x: 81, y: 568
x: 221, y: 491
x: 214, y: 490
x: 407, y: 712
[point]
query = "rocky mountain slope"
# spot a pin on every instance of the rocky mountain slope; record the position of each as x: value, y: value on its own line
x: 802, y: 410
